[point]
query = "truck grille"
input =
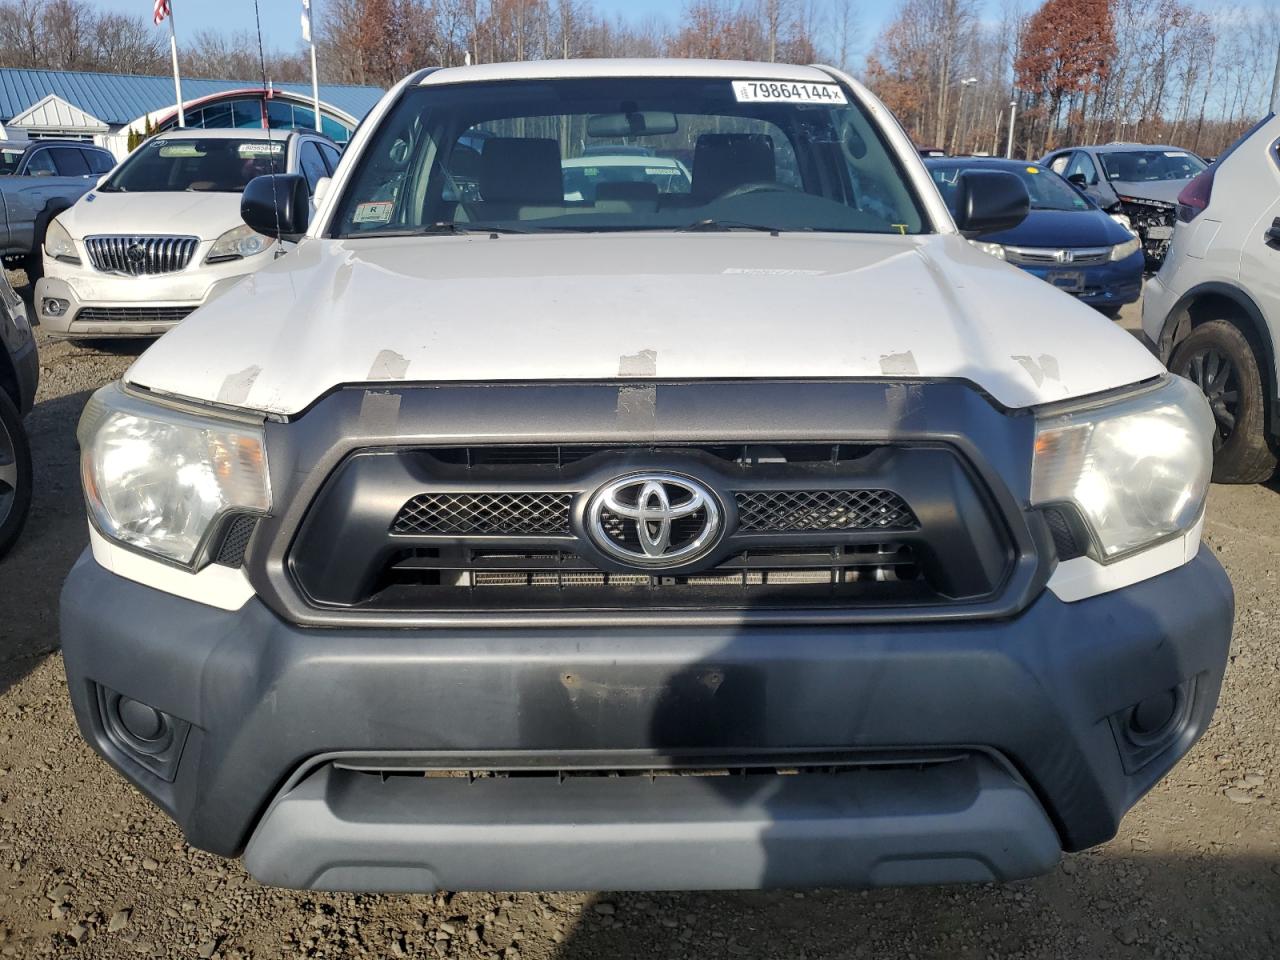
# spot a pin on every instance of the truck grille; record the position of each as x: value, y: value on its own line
x: 801, y: 510
x: 533, y: 514
x: 134, y: 256
x: 504, y: 528
x: 867, y: 573
x: 466, y: 514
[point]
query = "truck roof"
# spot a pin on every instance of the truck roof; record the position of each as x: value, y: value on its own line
x: 635, y: 67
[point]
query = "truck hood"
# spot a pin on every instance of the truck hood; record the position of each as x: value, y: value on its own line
x: 203, y: 215
x: 637, y: 306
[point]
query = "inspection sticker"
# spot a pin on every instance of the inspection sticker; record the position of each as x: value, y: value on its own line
x: 376, y: 211
x: 787, y: 91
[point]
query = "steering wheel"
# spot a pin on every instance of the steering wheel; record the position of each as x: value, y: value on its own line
x: 757, y: 186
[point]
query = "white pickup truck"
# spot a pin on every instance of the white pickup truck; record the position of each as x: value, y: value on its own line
x: 750, y: 529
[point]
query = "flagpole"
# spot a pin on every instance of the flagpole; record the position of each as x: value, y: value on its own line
x: 177, y: 79
x: 308, y: 34
x: 315, y: 88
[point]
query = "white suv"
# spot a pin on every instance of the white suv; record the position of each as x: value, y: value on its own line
x: 1212, y: 311
x: 161, y: 234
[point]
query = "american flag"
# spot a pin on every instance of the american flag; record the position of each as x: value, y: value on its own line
x: 160, y: 11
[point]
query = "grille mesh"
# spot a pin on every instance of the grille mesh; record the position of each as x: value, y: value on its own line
x: 133, y: 314
x: 236, y: 541
x: 468, y: 514
x: 140, y: 256
x: 785, y: 511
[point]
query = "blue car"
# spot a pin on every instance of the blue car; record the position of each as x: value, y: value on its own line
x: 1066, y: 239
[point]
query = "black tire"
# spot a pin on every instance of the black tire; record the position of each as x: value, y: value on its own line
x: 15, y: 474
x: 33, y: 262
x: 33, y: 265
x: 1219, y: 359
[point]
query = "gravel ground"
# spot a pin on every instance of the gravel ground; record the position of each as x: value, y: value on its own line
x: 89, y: 869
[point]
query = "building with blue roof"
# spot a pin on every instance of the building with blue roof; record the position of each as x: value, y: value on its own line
x: 103, y: 107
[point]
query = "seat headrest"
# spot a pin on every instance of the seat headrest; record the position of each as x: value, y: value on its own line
x: 633, y: 190
x: 522, y: 170
x: 722, y: 161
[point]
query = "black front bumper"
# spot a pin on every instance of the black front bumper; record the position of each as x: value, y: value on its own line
x: 1030, y: 701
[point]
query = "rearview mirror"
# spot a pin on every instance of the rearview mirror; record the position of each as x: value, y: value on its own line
x: 990, y: 201
x: 277, y: 205
x: 639, y: 123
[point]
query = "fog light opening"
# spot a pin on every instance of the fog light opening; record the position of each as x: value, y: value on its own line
x: 148, y: 736
x: 141, y: 721
x: 54, y: 307
x: 1150, y: 718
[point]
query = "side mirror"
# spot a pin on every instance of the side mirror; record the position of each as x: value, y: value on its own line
x: 277, y: 205
x: 1079, y: 179
x: 990, y: 201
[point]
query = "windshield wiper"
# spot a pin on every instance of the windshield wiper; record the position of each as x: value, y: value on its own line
x: 712, y: 225
x: 443, y: 228
x: 449, y: 226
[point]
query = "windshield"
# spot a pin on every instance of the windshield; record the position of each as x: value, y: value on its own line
x: 10, y: 160
x: 1138, y: 166
x: 1047, y: 190
x: 627, y: 154
x: 220, y: 165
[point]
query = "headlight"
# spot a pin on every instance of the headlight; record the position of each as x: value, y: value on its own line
x: 1126, y: 249
x: 58, y: 243
x: 237, y: 243
x: 159, y: 479
x: 995, y: 249
x: 1137, y: 470
x: 1124, y: 221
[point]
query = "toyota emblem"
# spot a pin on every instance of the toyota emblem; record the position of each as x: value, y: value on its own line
x: 654, y: 520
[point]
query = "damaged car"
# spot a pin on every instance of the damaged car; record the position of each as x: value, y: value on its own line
x: 1138, y: 182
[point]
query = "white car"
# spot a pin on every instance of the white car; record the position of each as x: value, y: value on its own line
x: 623, y: 176
x: 161, y: 234
x: 1212, y: 313
x: 760, y: 533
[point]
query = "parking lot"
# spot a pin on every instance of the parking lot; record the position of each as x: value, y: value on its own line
x: 88, y: 868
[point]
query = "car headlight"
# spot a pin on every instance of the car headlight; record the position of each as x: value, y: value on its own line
x: 994, y: 249
x: 1124, y: 221
x: 236, y: 244
x: 58, y: 243
x: 1137, y: 469
x: 159, y: 479
x: 1126, y: 249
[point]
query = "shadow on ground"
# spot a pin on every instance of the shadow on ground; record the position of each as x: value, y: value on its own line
x: 1097, y: 905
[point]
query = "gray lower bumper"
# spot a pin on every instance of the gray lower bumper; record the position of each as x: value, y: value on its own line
x: 964, y: 820
x: 266, y: 705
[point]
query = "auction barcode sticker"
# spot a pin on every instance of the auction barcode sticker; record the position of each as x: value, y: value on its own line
x: 787, y: 91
